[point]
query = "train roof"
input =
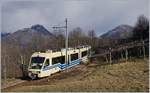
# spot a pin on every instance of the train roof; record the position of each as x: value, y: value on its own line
x: 60, y: 51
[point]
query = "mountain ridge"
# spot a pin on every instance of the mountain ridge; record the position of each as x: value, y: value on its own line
x: 120, y: 32
x: 27, y: 35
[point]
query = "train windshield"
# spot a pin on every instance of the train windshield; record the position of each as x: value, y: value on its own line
x: 36, y: 62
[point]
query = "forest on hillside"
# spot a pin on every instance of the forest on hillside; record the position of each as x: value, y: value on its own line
x: 14, y: 53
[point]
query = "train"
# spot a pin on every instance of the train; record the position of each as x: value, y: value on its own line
x: 44, y: 64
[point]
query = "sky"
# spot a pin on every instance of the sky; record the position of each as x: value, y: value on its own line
x: 98, y: 15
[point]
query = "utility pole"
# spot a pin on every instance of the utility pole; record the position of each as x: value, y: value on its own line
x: 66, y: 41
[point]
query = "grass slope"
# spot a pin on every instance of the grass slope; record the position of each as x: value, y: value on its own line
x: 130, y: 76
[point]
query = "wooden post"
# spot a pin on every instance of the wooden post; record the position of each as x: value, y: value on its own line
x: 22, y: 66
x: 90, y: 60
x: 143, y: 51
x: 126, y: 54
x: 121, y: 54
x: 140, y: 52
x: 5, y: 75
x: 106, y: 58
x: 110, y: 60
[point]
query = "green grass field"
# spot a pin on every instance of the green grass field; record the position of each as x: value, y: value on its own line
x: 129, y: 76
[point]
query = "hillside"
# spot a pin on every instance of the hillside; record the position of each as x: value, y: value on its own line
x: 120, y: 32
x: 129, y: 76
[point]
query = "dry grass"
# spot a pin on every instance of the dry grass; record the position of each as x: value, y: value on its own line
x: 130, y: 76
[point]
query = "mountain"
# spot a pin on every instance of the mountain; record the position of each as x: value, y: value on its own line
x: 28, y: 35
x: 41, y: 29
x: 120, y: 32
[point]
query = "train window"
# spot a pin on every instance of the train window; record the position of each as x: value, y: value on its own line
x: 46, y: 63
x: 84, y: 53
x: 60, y: 59
x: 37, y: 59
x: 36, y: 62
x: 74, y: 56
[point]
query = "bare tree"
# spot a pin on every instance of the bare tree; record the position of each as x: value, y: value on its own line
x: 141, y: 29
x: 76, y: 37
x: 92, y: 38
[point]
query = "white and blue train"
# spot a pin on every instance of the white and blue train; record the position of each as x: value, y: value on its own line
x: 43, y: 64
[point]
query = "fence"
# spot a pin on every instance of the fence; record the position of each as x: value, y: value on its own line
x: 123, y: 49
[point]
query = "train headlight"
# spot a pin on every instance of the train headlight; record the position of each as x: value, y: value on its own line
x: 38, y: 72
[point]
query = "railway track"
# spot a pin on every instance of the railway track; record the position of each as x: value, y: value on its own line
x: 47, y: 80
x: 13, y: 83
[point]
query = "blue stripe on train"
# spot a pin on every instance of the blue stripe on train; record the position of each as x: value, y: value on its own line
x: 71, y: 64
x: 63, y: 66
x: 50, y: 67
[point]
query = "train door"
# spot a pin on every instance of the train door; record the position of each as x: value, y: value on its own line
x: 46, y: 68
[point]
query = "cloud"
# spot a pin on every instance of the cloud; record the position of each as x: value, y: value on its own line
x: 100, y: 15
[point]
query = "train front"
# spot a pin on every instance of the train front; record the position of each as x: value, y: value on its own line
x: 35, y: 66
